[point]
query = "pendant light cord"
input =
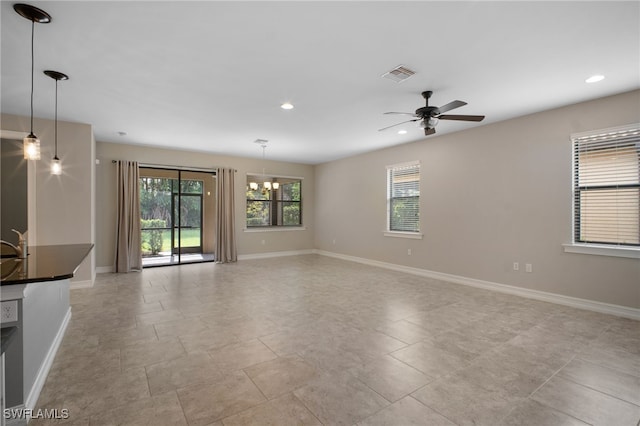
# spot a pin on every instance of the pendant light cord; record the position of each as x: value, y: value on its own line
x: 33, y: 25
x: 56, y: 125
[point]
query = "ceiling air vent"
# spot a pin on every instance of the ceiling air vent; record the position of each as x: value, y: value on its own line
x: 399, y: 74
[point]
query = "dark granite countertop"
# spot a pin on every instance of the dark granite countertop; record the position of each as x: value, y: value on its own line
x: 44, y: 263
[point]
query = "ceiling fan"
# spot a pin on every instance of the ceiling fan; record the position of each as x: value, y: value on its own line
x: 428, y: 116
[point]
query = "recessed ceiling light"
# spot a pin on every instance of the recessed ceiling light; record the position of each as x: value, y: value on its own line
x: 595, y: 78
x: 402, y: 132
x: 286, y: 105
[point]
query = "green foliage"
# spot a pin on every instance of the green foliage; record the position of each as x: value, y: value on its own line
x: 291, y: 191
x: 155, y: 200
x: 291, y: 214
x: 258, y: 206
x: 291, y: 204
x: 258, y: 213
x: 156, y: 196
x: 405, y: 214
x: 274, y: 208
x: 152, y: 238
x: 190, y: 186
x: 188, y: 238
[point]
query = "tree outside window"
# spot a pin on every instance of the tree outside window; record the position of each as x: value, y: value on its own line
x: 276, y: 203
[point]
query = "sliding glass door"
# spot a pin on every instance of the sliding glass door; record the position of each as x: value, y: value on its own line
x: 188, y: 207
x: 176, y: 209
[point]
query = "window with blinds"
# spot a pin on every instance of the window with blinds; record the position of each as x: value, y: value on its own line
x: 607, y: 186
x: 403, y: 197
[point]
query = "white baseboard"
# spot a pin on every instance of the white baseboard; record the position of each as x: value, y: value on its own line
x: 80, y: 284
x: 43, y: 372
x: 574, y: 302
x: 275, y: 254
x: 104, y: 269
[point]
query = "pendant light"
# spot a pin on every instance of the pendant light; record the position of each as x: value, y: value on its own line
x: 56, y: 167
x: 31, y: 142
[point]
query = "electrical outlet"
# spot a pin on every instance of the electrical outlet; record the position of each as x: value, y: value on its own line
x: 9, y: 311
x: 263, y: 242
x: 528, y: 267
x: 516, y: 266
x: 409, y: 252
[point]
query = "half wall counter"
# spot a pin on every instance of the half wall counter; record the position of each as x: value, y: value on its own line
x: 34, y: 293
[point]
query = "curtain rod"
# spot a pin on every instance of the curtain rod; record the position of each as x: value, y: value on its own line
x: 165, y: 166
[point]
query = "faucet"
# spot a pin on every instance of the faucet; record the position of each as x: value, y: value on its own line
x: 22, y: 244
x: 16, y: 249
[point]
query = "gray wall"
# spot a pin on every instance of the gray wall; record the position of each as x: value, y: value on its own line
x: 13, y: 169
x: 14, y: 362
x: 45, y: 308
x: 64, y: 204
x: 247, y: 242
x: 41, y: 314
x: 490, y: 196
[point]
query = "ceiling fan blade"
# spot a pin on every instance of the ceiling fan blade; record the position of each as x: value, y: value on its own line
x: 394, y: 125
x: 430, y: 131
x: 401, y: 113
x: 461, y: 117
x: 450, y: 106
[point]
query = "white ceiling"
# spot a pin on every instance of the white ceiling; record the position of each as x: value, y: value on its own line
x: 210, y: 76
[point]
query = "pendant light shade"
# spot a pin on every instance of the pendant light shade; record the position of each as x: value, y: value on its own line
x: 31, y: 147
x: 56, y: 166
x: 33, y: 14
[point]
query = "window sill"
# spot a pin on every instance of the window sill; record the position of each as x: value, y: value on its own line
x: 410, y: 235
x: 276, y: 229
x: 602, y: 250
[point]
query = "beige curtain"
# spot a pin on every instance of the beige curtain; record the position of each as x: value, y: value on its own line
x: 128, y: 235
x: 226, y: 223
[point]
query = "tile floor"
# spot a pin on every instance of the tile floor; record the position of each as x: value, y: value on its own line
x: 167, y: 258
x: 311, y: 340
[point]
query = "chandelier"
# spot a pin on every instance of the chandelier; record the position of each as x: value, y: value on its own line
x: 267, y: 184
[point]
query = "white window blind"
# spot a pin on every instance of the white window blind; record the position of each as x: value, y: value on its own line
x: 403, y: 197
x: 607, y: 186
